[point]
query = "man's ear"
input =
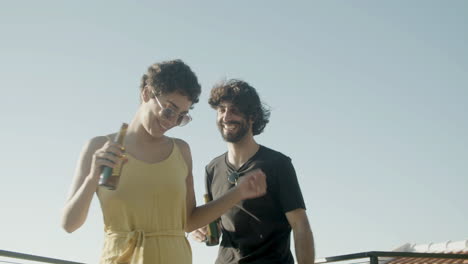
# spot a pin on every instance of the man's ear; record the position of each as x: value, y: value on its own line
x: 252, y: 119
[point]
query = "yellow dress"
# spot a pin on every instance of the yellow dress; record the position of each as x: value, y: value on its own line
x: 145, y: 216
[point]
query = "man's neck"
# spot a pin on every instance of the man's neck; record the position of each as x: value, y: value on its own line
x: 240, y: 152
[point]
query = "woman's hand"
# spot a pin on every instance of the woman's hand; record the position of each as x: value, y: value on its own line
x: 108, y: 155
x: 252, y: 185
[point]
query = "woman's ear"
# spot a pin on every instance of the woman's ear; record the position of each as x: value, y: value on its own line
x: 146, y: 94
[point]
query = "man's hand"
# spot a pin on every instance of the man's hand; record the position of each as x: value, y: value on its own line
x: 200, y: 234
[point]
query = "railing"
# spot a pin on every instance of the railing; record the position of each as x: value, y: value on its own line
x: 374, y: 256
x: 23, y: 256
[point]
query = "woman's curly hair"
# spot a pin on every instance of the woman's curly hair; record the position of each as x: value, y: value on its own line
x: 172, y: 76
x: 245, y: 98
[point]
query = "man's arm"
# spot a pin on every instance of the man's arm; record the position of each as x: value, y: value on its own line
x: 303, y: 238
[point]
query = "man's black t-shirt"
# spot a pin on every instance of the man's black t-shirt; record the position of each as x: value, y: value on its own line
x: 257, y: 230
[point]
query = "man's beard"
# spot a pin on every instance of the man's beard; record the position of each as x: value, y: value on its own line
x: 242, y: 130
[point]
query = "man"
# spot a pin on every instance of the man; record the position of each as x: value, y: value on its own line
x: 258, y: 230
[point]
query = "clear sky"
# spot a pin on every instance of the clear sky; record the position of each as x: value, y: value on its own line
x: 368, y: 98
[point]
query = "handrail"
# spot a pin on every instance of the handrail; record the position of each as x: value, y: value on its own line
x: 23, y: 256
x: 374, y: 255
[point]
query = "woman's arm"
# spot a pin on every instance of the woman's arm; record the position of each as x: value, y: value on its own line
x: 250, y: 186
x: 95, y: 154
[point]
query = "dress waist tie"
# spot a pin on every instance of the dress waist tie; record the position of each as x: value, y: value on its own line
x: 135, y: 243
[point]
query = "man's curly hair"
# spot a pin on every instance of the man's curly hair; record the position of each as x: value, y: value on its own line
x: 245, y: 98
x: 172, y: 76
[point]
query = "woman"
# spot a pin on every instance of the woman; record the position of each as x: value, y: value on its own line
x: 147, y: 215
